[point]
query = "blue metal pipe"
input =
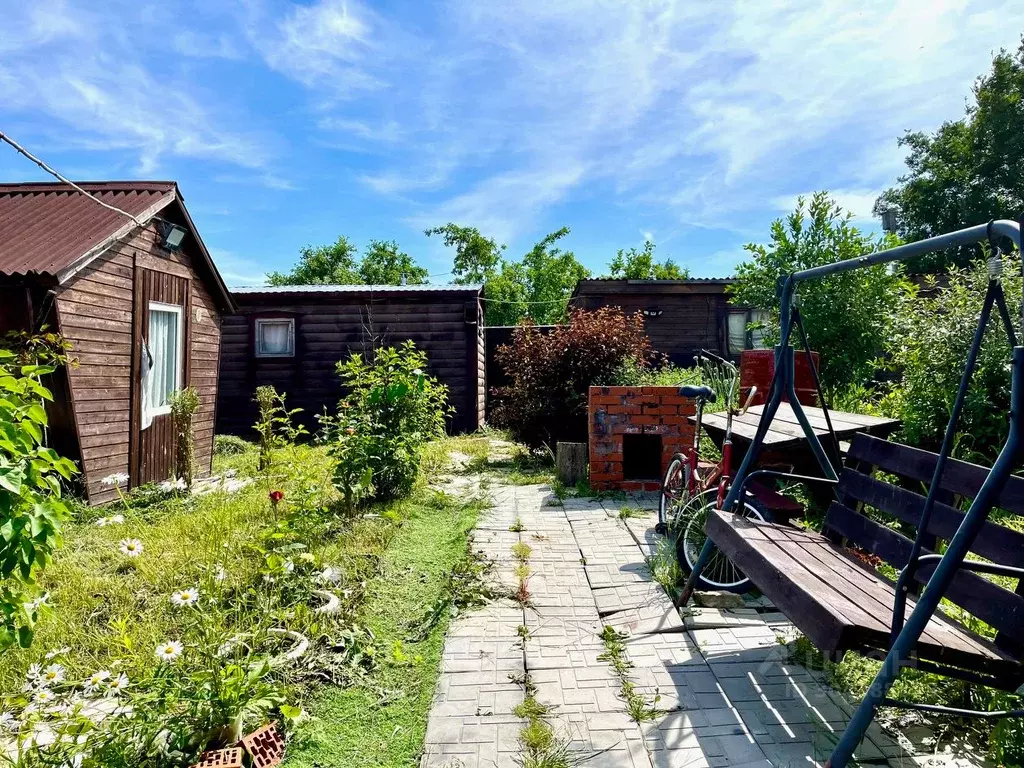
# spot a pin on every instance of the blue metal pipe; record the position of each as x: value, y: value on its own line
x: 906, y: 641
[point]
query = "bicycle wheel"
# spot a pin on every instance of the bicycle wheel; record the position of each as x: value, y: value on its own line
x: 675, y: 493
x: 719, y: 573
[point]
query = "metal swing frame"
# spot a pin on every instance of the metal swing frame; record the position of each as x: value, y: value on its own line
x: 905, y: 634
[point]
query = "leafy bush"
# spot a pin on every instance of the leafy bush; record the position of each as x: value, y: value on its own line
x: 929, y: 335
x: 845, y: 315
x: 275, y: 426
x: 32, y: 511
x: 184, y: 404
x: 230, y: 445
x: 393, y: 408
x: 550, y: 374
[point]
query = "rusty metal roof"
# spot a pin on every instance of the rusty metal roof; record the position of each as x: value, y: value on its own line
x: 46, y: 228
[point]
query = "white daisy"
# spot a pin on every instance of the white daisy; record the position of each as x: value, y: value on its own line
x: 39, y: 602
x: 118, y: 478
x: 52, y: 674
x: 34, y: 671
x: 8, y: 722
x: 219, y: 574
x: 168, y: 652
x: 57, y: 652
x: 329, y: 575
x: 44, y: 696
x: 289, y: 566
x: 131, y: 547
x: 185, y: 597
x: 95, y: 680
x: 117, y: 685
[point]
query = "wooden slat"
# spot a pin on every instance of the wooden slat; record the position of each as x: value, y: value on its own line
x: 995, y: 542
x: 994, y: 605
x: 960, y: 477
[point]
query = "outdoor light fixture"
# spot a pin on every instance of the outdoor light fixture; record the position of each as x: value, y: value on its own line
x: 174, y: 235
x: 653, y: 312
x: 889, y: 220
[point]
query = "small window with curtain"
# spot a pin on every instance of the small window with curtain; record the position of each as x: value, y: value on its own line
x: 275, y: 337
x: 162, y: 372
x: 746, y: 330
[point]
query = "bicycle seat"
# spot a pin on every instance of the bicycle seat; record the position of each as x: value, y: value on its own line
x: 702, y: 393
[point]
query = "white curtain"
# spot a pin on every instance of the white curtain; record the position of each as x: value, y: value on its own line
x: 737, y: 332
x: 274, y: 338
x: 162, y: 377
x: 757, y: 334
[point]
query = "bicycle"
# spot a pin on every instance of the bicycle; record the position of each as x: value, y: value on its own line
x: 691, y: 488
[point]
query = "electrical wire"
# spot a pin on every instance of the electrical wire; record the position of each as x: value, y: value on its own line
x: 21, y: 150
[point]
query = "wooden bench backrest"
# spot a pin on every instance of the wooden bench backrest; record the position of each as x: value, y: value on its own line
x: 996, y: 606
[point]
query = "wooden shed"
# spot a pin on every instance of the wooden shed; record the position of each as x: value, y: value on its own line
x: 141, y: 302
x: 681, y: 317
x: 293, y: 337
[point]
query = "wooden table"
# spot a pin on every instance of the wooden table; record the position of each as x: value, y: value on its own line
x: 785, y: 431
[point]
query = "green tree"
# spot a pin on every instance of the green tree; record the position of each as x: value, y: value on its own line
x: 538, y: 286
x: 845, y: 315
x: 969, y: 171
x: 385, y: 264
x: 640, y: 265
x: 477, y: 258
x: 323, y: 265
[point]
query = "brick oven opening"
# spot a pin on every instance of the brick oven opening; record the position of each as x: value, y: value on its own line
x: 641, y: 457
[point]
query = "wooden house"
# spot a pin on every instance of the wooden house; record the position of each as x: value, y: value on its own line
x: 141, y: 302
x: 292, y: 337
x: 681, y: 317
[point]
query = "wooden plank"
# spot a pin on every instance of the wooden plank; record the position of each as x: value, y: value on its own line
x: 995, y: 542
x: 998, y: 607
x: 960, y: 477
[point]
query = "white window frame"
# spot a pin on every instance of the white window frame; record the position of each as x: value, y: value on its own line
x: 176, y: 310
x: 748, y: 341
x: 260, y: 322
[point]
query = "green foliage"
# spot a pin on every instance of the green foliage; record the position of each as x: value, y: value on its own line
x: 550, y: 374
x: 383, y: 263
x: 929, y: 335
x: 230, y: 445
x: 393, y: 408
x: 32, y: 510
x: 844, y: 314
x: 640, y: 265
x: 184, y: 404
x: 477, y: 258
x: 969, y: 171
x: 538, y: 286
x: 275, y: 425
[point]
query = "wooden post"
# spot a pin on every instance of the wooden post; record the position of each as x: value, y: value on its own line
x: 571, y: 462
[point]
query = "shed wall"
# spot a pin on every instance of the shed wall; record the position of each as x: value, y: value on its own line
x: 328, y: 327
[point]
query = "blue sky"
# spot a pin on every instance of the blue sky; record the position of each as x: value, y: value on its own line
x: 286, y: 124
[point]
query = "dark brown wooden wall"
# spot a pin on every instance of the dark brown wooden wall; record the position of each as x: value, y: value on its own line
x: 689, y: 321
x: 328, y: 327
x: 95, y: 313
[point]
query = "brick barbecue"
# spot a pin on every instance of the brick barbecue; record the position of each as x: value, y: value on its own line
x: 633, y: 433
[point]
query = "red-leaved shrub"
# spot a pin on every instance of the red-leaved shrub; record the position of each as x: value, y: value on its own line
x: 546, y: 400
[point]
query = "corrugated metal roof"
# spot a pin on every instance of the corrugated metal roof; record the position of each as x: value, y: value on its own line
x: 426, y: 288
x: 687, y: 281
x: 45, y: 228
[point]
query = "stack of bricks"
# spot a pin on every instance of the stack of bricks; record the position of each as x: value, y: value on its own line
x: 618, y: 411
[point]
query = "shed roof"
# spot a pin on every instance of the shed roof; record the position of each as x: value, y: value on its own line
x: 613, y: 285
x: 357, y: 289
x: 53, y: 230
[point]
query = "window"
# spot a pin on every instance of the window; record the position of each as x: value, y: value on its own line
x: 275, y: 337
x: 162, y: 372
x: 741, y: 336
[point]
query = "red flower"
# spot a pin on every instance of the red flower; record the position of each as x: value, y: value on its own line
x: 276, y: 496
x: 351, y: 430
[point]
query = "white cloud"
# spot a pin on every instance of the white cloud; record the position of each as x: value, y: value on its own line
x: 859, y: 202
x: 237, y: 270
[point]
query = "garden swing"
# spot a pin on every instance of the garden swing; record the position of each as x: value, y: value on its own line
x: 823, y: 582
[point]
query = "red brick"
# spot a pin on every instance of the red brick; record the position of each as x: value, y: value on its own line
x: 644, y: 420
x: 617, y: 390
x: 631, y: 485
x: 661, y: 410
x: 676, y: 400
x: 674, y: 420
x: 605, y: 400
x: 655, y: 429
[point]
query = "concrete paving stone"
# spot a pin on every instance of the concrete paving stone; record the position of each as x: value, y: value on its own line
x: 613, y: 556
x: 543, y: 595
x: 642, y: 531
x: 558, y: 655
x: 562, y: 689
x: 716, y: 618
x: 582, y: 611
x: 547, y: 628
x: 671, y: 684
x: 631, y: 595
x: 685, y: 757
x: 614, y: 575
x: 472, y: 655
x: 649, y: 619
x: 663, y: 649
x: 463, y: 694
x: 746, y: 644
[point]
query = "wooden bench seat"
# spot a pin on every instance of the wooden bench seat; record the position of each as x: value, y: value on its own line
x: 829, y: 584
x: 836, y: 600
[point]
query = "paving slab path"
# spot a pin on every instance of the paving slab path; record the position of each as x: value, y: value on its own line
x: 724, y: 689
